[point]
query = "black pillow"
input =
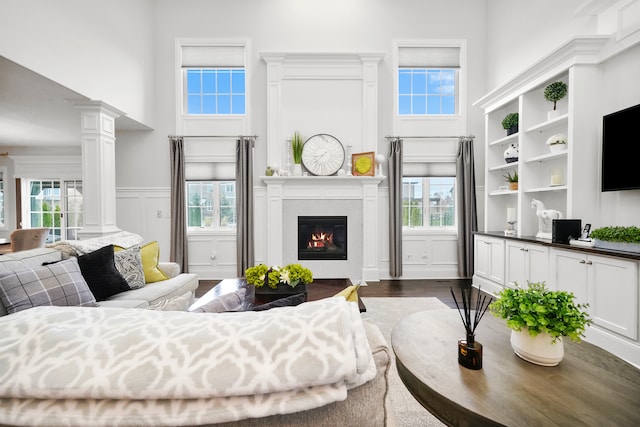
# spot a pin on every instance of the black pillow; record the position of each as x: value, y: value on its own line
x: 292, y: 300
x: 99, y: 271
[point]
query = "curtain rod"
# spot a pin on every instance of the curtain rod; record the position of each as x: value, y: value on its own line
x: 212, y: 136
x: 431, y: 137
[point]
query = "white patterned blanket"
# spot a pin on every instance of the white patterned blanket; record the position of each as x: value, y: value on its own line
x: 124, y: 239
x: 213, y: 367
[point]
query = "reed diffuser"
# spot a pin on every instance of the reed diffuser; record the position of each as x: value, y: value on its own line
x: 469, y: 350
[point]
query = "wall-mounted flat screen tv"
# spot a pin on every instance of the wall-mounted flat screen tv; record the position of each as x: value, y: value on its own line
x: 620, y: 140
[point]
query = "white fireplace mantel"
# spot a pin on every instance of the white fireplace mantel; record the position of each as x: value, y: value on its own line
x: 314, y: 189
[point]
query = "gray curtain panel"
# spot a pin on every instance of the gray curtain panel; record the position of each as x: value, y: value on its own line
x: 467, y: 211
x: 178, y: 249
x: 395, y: 207
x: 244, y: 204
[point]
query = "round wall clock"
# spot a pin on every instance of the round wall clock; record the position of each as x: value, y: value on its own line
x: 323, y: 154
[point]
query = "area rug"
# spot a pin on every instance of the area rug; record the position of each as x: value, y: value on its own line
x: 386, y: 313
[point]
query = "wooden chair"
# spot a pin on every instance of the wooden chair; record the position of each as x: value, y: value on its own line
x: 28, y: 238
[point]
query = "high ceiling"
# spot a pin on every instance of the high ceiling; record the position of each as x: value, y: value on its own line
x: 35, y: 111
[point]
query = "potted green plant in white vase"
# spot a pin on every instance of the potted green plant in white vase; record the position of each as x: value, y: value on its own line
x: 296, y: 148
x: 539, y: 318
x: 554, y: 93
x: 557, y: 142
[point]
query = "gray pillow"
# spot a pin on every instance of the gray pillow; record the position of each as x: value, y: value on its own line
x: 232, y: 301
x: 129, y: 264
x: 58, y: 284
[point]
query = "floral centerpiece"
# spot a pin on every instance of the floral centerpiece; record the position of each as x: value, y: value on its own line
x: 292, y: 275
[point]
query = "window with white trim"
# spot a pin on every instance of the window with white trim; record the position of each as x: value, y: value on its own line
x: 211, y: 204
x: 211, y: 195
x: 429, y: 195
x: 428, y: 80
x: 55, y: 204
x: 213, y: 80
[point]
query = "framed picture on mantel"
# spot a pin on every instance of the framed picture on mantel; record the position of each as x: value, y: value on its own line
x: 363, y: 164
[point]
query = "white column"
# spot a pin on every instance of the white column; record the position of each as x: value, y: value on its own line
x: 97, y: 131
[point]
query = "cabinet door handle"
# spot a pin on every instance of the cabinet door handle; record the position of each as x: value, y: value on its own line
x: 582, y: 261
x: 589, y: 263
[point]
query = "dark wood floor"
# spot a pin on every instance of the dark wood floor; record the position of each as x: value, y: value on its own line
x: 438, y: 288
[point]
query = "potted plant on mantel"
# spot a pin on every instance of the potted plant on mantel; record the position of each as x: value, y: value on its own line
x: 290, y: 279
x: 554, y: 93
x: 510, y: 123
x: 617, y: 238
x: 296, y: 147
x: 539, y: 318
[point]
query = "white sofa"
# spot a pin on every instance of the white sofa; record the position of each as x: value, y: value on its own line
x: 178, y: 284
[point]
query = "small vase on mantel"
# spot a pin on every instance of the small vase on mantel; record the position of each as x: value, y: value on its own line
x: 297, y: 169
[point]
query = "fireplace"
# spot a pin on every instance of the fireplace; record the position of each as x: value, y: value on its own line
x: 322, y: 237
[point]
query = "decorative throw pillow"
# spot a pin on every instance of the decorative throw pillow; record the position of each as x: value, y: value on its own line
x: 232, y: 301
x: 129, y: 264
x: 58, y: 284
x: 100, y: 272
x: 150, y: 258
x: 180, y: 303
x: 292, y: 300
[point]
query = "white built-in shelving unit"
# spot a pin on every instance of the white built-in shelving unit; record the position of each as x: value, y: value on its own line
x: 555, y: 178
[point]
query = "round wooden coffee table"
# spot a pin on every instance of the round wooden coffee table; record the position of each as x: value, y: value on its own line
x: 590, y: 387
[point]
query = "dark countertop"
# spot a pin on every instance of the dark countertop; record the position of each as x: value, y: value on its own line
x: 532, y: 239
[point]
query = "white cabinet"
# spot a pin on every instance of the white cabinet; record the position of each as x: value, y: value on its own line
x: 609, y: 285
x: 489, y: 263
x: 525, y: 262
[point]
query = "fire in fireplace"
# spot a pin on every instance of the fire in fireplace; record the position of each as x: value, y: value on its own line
x: 322, y: 237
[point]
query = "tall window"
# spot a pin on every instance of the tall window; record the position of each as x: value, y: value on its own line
x: 56, y: 205
x: 215, y: 90
x: 428, y: 203
x: 426, y: 91
x: 213, y: 75
x: 428, y: 80
x: 211, y: 204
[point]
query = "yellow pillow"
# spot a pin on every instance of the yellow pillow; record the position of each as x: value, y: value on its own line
x: 350, y: 293
x: 150, y: 257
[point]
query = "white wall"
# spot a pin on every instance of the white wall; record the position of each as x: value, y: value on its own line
x: 519, y: 32
x: 102, y: 50
x: 621, y: 89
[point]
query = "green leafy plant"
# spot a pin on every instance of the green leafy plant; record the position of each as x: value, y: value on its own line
x: 617, y: 234
x: 511, y: 178
x: 555, y: 92
x: 292, y: 275
x: 540, y: 310
x: 296, y: 147
x: 510, y: 120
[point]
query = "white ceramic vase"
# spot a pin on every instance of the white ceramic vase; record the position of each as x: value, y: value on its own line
x: 297, y: 169
x: 540, y: 349
x: 557, y: 147
x: 553, y: 114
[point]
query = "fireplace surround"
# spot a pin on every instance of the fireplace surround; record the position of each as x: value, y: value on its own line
x: 356, y: 198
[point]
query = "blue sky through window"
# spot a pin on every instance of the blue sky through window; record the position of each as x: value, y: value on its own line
x: 216, y: 91
x: 426, y: 91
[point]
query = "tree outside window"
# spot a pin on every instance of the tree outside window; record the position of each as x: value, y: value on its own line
x: 211, y: 204
x: 428, y: 203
